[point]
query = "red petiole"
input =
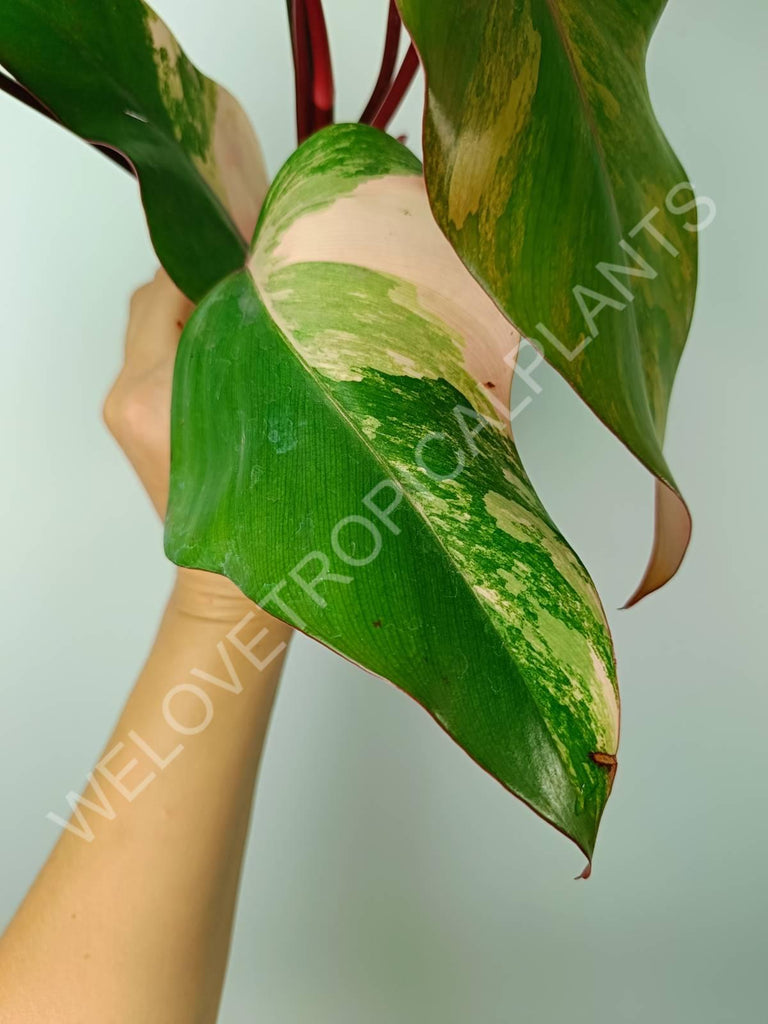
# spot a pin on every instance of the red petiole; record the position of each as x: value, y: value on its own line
x: 314, y: 70
x: 397, y: 90
x: 322, y: 69
x: 388, y: 64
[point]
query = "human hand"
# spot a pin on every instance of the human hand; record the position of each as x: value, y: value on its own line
x: 137, y: 412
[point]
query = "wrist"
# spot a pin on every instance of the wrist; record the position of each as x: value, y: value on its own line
x: 207, y: 595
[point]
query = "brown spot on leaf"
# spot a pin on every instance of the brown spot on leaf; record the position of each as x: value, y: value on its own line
x: 609, y: 760
x: 377, y: 624
x: 606, y: 761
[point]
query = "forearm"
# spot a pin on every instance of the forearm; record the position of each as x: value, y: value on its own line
x: 131, y: 919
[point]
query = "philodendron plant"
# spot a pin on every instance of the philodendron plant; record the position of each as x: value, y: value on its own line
x: 341, y: 425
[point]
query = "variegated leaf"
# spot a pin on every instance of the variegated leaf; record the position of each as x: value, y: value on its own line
x: 113, y: 73
x: 551, y: 177
x: 341, y: 450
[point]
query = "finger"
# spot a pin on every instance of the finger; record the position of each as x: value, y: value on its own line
x: 158, y: 313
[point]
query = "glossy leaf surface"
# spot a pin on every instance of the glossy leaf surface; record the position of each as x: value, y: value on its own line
x: 113, y: 73
x: 551, y: 177
x: 340, y: 450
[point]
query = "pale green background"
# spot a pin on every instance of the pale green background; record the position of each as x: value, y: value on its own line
x: 388, y: 879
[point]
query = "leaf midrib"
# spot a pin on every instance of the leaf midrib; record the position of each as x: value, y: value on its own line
x: 589, y: 118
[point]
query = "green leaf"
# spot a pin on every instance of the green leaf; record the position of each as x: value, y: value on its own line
x: 341, y: 450
x: 112, y: 72
x: 546, y: 168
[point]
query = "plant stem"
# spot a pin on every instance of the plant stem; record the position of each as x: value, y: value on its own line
x: 17, y: 91
x: 397, y: 90
x: 312, y: 67
x: 322, y: 68
x: 388, y: 62
x: 302, y: 64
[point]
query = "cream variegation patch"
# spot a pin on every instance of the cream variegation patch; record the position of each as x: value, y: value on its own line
x: 240, y: 169
x: 524, y: 526
x: 385, y: 225
x: 223, y: 145
x: 494, y: 113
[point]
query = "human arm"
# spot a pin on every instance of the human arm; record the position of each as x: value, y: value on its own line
x: 134, y: 923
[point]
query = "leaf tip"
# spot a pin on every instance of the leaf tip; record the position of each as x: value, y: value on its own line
x: 672, y: 535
